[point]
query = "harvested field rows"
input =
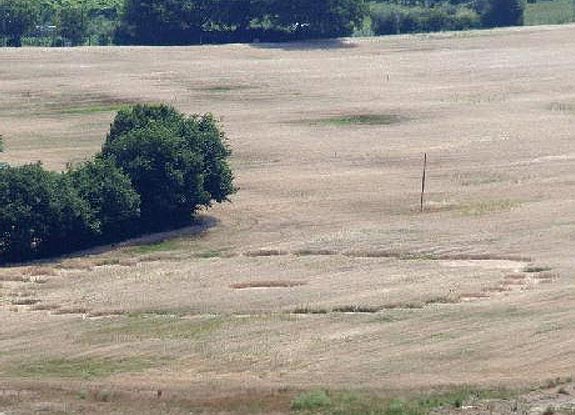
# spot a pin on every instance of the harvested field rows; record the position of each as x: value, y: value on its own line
x: 322, y: 272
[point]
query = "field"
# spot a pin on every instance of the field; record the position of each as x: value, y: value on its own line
x: 322, y: 274
x: 546, y: 12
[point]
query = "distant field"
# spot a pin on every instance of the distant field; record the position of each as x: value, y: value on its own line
x: 545, y: 12
x: 321, y: 287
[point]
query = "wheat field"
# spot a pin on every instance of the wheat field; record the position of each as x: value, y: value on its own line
x: 321, y: 272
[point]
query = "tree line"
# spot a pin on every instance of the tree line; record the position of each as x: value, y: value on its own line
x: 184, y: 22
x: 157, y: 167
x: 412, y: 16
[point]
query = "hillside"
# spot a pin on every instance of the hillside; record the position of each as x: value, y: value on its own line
x: 322, y: 272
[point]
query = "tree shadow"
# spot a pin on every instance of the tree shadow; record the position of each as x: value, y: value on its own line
x: 196, y: 228
x: 315, y: 44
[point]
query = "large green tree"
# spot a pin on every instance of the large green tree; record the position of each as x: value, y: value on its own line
x: 40, y: 214
x: 156, y: 168
x: 196, y: 21
x: 499, y: 13
x: 318, y: 18
x: 177, y: 163
x: 161, y: 22
x: 72, y: 23
x: 17, y: 18
x: 114, y: 202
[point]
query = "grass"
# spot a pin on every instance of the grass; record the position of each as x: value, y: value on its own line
x: 24, y: 301
x: 163, y: 246
x: 312, y: 400
x: 479, y: 208
x: 357, y: 309
x: 226, y: 88
x: 545, y: 12
x: 81, y: 368
x: 478, y: 178
x: 310, y: 310
x: 135, y: 328
x: 536, y: 268
x: 211, y: 253
x: 266, y: 252
x: 356, y: 403
x: 404, y: 256
x: 561, y: 107
x: 358, y: 120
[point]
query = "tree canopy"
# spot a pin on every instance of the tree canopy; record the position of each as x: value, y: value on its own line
x: 161, y: 22
x: 17, y: 17
x: 176, y: 163
x: 157, y: 167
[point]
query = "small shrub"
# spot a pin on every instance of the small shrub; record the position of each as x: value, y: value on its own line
x: 536, y: 269
x: 309, y: 310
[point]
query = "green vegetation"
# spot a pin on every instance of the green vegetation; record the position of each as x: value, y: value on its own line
x: 58, y: 22
x: 81, y: 368
x: 536, y: 268
x: 168, y: 22
x: 391, y: 18
x: 499, y: 13
x: 17, y: 17
x: 113, y: 201
x: 395, y: 17
x: 545, y: 12
x: 312, y: 400
x: 356, y: 403
x: 137, y: 327
x: 163, y: 246
x: 175, y: 162
x: 483, y: 207
x: 157, y: 167
x: 359, y: 119
x: 41, y: 213
x: 165, y: 22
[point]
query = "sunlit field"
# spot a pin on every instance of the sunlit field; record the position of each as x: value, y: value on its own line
x: 321, y: 286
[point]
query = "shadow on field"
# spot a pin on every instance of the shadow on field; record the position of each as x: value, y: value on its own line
x: 307, y: 45
x: 197, y: 227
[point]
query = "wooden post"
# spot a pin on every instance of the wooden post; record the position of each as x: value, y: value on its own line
x: 423, y: 181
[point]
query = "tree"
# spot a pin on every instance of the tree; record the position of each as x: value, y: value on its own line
x: 194, y: 21
x: 499, y: 13
x: 231, y: 15
x: 40, y: 214
x: 114, y: 202
x: 72, y: 23
x: 155, y: 161
x: 17, y: 17
x: 175, y: 162
x: 161, y: 22
x: 318, y: 18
